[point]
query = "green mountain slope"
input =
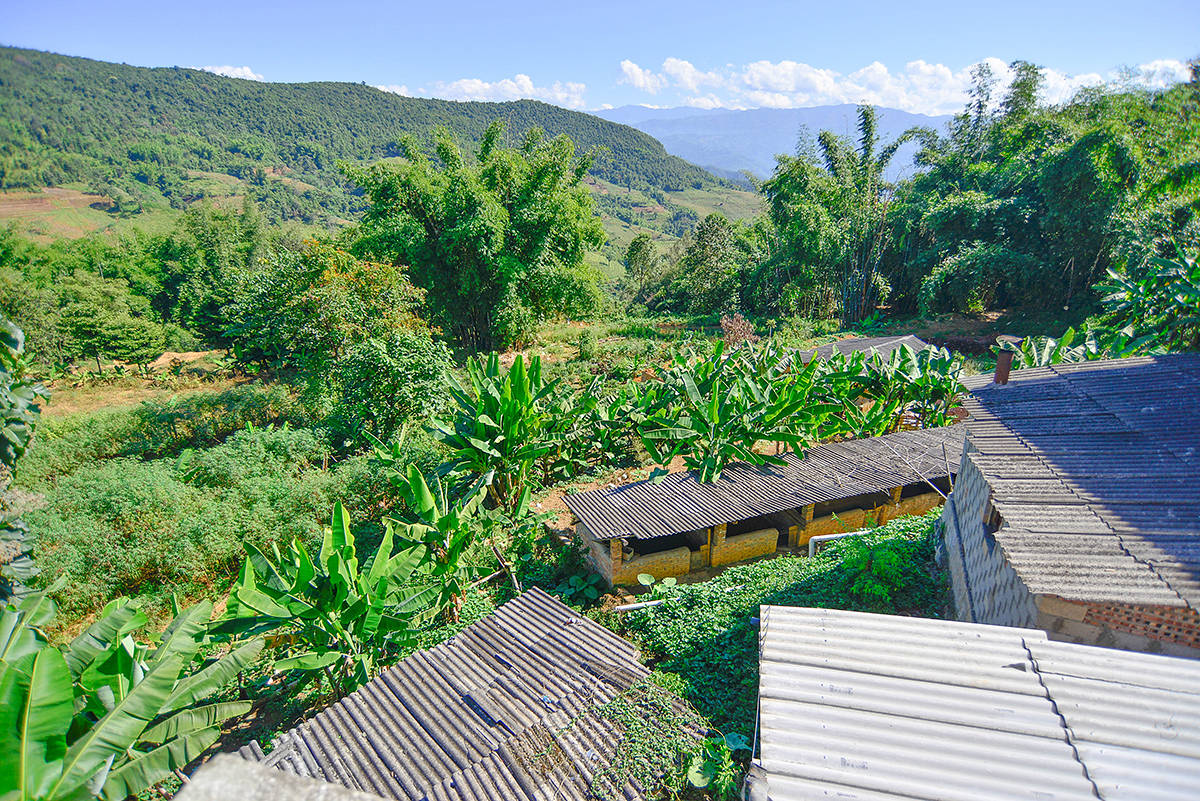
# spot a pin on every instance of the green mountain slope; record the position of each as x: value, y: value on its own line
x: 139, y: 134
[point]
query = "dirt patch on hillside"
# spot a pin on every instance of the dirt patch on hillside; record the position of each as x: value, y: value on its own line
x: 23, y: 205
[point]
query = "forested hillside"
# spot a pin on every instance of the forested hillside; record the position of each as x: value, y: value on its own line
x: 133, y: 133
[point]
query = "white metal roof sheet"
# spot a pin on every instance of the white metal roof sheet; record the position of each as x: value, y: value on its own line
x: 873, y: 707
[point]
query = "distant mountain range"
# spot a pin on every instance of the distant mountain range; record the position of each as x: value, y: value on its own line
x: 727, y: 142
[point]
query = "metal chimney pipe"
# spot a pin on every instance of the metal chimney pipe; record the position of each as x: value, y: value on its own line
x: 1004, y: 361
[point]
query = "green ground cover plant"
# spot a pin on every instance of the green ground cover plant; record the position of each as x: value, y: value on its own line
x: 704, y: 637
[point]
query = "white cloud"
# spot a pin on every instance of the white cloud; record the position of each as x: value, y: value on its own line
x: 705, y: 101
x: 686, y: 76
x: 638, y: 78
x: 519, y: 87
x: 919, y: 87
x: 233, y: 72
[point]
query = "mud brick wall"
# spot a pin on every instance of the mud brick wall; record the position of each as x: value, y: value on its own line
x: 675, y: 562
x: 741, y: 547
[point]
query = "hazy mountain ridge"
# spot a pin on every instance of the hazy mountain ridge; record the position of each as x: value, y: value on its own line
x: 727, y: 142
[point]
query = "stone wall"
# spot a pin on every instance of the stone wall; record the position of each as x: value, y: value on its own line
x: 741, y: 547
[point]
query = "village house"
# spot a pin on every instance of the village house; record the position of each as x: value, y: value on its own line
x: 1076, y: 509
x: 678, y: 525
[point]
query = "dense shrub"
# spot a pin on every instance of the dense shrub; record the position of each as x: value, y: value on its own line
x: 155, y: 428
x: 152, y: 528
x: 381, y: 384
x: 706, y: 635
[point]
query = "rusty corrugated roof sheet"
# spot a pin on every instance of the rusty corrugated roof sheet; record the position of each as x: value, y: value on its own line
x: 679, y: 502
x: 1094, y: 469
x: 504, y: 711
x: 862, y: 706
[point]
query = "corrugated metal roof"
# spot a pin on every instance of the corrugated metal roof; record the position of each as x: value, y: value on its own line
x: 503, y: 711
x: 861, y: 706
x: 679, y: 502
x: 1093, y: 468
x: 881, y: 345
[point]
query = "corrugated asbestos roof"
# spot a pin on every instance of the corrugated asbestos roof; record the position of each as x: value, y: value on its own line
x: 504, y: 711
x: 879, y: 707
x: 1095, y: 471
x: 881, y: 345
x: 679, y: 502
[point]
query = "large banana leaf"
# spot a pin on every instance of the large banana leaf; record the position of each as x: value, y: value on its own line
x: 102, y: 636
x: 190, y: 721
x: 147, y: 769
x: 37, y: 710
x: 212, y: 678
x: 120, y: 728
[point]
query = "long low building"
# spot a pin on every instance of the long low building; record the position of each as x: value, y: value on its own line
x: 1077, y: 507
x: 678, y: 525
x: 510, y: 708
x: 865, y: 707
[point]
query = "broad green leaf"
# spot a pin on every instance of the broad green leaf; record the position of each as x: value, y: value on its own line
x: 46, y: 704
x: 147, y: 769
x: 308, y: 661
x: 185, y: 632
x: 205, y: 682
x: 120, y: 728
x: 189, y: 721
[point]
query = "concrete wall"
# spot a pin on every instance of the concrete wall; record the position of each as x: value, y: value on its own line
x: 986, y: 588
x: 741, y: 547
x: 230, y: 778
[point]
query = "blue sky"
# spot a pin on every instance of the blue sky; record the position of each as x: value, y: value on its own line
x: 913, y: 55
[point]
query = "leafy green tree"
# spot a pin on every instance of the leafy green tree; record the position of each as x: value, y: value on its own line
x: 381, y: 384
x: 496, y: 241
x: 832, y: 211
x: 643, y: 265
x: 308, y: 307
x: 107, y: 715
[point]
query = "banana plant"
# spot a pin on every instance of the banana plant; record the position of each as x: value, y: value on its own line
x: 332, y: 617
x: 441, y: 533
x: 713, y: 409
x: 500, y: 424
x: 20, y: 407
x: 108, y: 715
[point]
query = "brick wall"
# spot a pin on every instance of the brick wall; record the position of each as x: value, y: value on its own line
x: 1173, y: 630
x: 675, y: 562
x: 741, y: 547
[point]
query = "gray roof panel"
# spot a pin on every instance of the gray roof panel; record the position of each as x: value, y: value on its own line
x: 1097, y: 449
x: 874, y: 707
x: 504, y: 711
x: 679, y: 502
